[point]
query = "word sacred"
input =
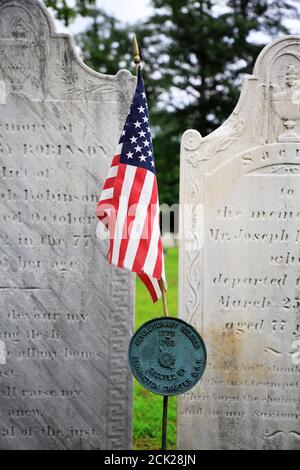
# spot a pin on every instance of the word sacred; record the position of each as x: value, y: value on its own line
x: 271, y: 154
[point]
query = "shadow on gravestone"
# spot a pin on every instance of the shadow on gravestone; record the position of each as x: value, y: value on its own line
x: 66, y: 315
x: 240, y: 263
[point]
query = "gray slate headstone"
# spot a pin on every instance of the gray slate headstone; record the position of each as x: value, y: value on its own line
x: 240, y: 264
x: 66, y: 316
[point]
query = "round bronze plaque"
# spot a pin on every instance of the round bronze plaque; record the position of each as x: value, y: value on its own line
x: 167, y: 356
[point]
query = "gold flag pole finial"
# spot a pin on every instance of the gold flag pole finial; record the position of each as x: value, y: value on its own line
x: 136, y: 53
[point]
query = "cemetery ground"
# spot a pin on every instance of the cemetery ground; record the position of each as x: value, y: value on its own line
x: 147, y: 418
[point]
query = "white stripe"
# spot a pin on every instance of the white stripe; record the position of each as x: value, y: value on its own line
x: 151, y: 257
x: 107, y: 194
x: 119, y: 150
x: 139, y: 220
x: 122, y: 211
x: 163, y: 273
x: 114, y: 169
x: 101, y: 232
x: 113, y: 172
x: 156, y: 287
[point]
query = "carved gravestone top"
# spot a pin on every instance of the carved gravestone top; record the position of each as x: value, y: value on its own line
x: 239, y: 268
x: 66, y: 316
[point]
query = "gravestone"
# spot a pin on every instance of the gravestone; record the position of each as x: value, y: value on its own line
x: 66, y: 316
x: 240, y: 264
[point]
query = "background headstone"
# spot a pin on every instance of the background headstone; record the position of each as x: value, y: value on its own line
x: 240, y: 264
x: 66, y: 316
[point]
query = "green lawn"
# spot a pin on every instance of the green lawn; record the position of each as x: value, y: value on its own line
x: 147, y: 419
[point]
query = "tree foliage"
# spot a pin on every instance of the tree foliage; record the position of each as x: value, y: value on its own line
x: 106, y: 44
x: 67, y: 11
x: 202, y: 50
x: 195, y: 53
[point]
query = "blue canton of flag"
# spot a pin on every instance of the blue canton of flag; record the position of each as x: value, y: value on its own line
x: 136, y: 137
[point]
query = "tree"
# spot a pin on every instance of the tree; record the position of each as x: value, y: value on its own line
x: 105, y: 45
x: 67, y: 11
x: 196, y: 53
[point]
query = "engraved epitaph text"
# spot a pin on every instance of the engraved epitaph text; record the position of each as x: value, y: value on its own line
x: 240, y: 264
x: 66, y: 315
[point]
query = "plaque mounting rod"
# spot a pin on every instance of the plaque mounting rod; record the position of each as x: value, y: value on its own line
x: 166, y: 398
x: 165, y: 424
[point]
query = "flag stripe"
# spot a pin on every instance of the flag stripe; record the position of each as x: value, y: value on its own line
x: 158, y: 265
x: 151, y: 286
x: 116, y: 160
x: 119, y: 150
x: 133, y: 205
x: 139, y: 220
x: 112, y: 172
x: 110, y: 182
x: 148, y: 227
x: 156, y: 288
x: 115, y: 206
x: 130, y: 172
x: 107, y: 194
x: 153, y: 247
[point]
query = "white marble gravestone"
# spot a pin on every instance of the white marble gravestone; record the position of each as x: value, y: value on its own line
x: 240, y: 264
x: 66, y: 316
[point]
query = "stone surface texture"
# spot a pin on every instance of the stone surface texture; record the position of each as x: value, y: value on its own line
x: 240, y: 264
x: 66, y: 316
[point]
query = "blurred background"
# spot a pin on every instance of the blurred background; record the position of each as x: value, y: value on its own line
x: 195, y: 54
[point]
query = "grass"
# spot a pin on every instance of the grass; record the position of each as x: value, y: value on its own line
x: 147, y: 418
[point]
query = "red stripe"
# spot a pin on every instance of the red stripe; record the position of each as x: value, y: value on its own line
x: 144, y: 243
x: 116, y: 160
x: 148, y: 283
x: 115, y: 203
x: 133, y: 201
x: 102, y: 205
x: 158, y: 266
x: 109, y: 183
x: 109, y: 220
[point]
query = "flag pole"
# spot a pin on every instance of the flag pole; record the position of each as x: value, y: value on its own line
x: 137, y: 61
x: 164, y: 298
x: 166, y: 398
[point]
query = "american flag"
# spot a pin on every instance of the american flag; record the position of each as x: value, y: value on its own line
x: 129, y: 206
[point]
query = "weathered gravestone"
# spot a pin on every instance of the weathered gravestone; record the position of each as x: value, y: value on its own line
x: 240, y: 264
x: 66, y: 316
